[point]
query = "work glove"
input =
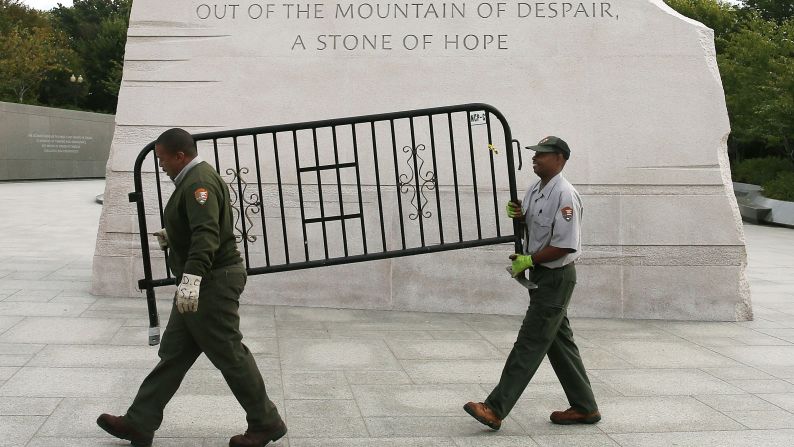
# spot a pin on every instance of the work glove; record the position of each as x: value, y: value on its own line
x: 187, y: 293
x: 514, y: 210
x: 162, y: 238
x: 520, y: 263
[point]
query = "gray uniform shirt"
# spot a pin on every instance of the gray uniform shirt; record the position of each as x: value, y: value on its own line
x: 553, y: 217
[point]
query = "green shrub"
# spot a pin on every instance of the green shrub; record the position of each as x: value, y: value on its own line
x: 760, y: 171
x: 780, y: 188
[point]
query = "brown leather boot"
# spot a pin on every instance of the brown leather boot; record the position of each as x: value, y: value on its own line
x: 483, y: 414
x: 259, y: 438
x: 574, y: 416
x: 117, y: 426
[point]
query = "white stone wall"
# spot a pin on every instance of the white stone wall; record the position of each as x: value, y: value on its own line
x: 634, y: 89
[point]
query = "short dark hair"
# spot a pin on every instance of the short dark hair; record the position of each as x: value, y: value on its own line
x: 177, y: 140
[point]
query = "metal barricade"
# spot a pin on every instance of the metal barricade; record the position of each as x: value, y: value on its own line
x: 392, y: 179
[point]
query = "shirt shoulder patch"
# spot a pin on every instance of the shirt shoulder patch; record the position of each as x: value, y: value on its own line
x: 201, y: 195
x: 567, y: 213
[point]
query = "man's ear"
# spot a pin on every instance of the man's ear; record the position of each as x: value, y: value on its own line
x: 562, y: 160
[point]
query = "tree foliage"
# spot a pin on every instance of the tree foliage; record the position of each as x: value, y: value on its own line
x: 97, y: 30
x: 40, y: 51
x: 759, y: 171
x: 781, y: 187
x: 30, y: 50
x: 13, y: 13
x: 723, y: 18
x: 755, y: 52
x: 779, y: 10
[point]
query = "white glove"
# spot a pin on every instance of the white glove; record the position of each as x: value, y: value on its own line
x: 187, y: 293
x: 162, y: 238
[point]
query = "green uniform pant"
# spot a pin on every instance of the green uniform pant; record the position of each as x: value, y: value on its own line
x: 214, y: 330
x: 545, y: 331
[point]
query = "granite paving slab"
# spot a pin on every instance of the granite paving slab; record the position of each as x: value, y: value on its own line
x: 780, y: 372
x: 738, y: 373
x: 444, y: 350
x: 224, y: 442
x: 67, y: 299
x: 43, y: 441
x: 496, y: 441
x: 453, y: 371
x: 763, y: 386
x: 373, y: 442
x: 12, y: 360
x: 294, y: 314
x: 73, y: 382
x: 314, y: 355
x: 345, y: 408
x: 736, y: 402
x: 33, y: 295
x: 661, y: 414
x: 782, y: 400
x: 17, y: 430
x: 28, y: 406
x: 455, y: 335
x: 500, y: 339
x: 430, y: 426
x: 28, y: 309
x: 763, y: 419
x: 760, y: 356
x: 418, y: 325
x: 597, y: 358
x: 590, y: 440
x: 75, y: 417
x: 749, y: 438
x: 341, y: 332
x: 413, y: 400
x: 62, y: 330
x: 665, y: 354
x: 326, y: 427
x: 7, y: 371
x: 786, y: 334
x: 377, y: 377
x: 61, y: 284
x: 97, y: 356
x: 316, y: 385
x: 664, y: 382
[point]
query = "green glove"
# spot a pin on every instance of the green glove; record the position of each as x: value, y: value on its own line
x: 520, y: 263
x: 513, y: 210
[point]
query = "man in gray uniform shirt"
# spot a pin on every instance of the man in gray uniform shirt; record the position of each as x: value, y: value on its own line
x: 551, y: 212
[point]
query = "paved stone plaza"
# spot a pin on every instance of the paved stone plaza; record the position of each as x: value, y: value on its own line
x: 373, y: 378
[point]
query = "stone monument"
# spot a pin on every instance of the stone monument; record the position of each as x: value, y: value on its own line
x: 631, y: 85
x: 42, y: 143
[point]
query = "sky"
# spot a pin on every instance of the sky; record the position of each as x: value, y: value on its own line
x: 49, y: 4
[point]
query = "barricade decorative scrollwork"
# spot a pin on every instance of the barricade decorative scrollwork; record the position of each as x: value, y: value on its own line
x: 244, y: 204
x: 426, y: 181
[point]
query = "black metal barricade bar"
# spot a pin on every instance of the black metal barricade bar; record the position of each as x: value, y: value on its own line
x: 421, y: 130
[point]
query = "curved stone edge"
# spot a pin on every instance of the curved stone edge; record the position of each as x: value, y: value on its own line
x: 744, y: 309
x: 782, y: 212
